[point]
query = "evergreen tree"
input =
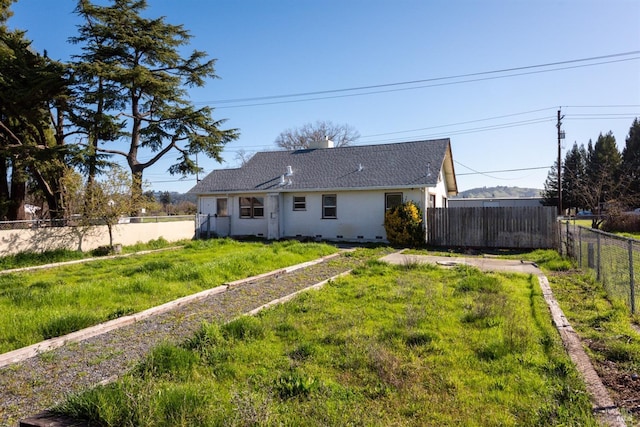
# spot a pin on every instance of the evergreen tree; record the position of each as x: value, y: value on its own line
x: 33, y: 92
x: 550, y: 191
x: 573, y: 174
x: 143, y: 81
x: 603, y: 171
x: 631, y: 162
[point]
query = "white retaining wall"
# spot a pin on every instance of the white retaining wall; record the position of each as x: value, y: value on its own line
x: 74, y: 238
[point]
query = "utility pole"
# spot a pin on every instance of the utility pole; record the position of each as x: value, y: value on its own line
x: 197, y: 170
x: 560, y: 138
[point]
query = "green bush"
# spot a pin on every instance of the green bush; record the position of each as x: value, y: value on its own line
x: 403, y: 225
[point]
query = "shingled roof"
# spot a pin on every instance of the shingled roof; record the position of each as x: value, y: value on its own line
x: 401, y: 165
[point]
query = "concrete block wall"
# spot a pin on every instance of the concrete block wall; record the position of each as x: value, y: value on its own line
x: 75, y: 238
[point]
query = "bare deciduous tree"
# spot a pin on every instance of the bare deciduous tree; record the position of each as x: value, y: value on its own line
x: 110, y: 199
x: 243, y: 156
x: 302, y: 137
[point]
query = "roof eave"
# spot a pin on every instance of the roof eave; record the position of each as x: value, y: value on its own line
x: 315, y: 190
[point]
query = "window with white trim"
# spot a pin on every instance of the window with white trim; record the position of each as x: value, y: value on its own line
x: 392, y: 200
x: 251, y: 207
x: 299, y: 203
x: 329, y: 206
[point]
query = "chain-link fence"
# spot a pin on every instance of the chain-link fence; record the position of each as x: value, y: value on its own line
x: 615, y: 260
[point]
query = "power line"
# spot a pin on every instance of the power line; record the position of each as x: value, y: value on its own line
x: 467, y: 131
x: 460, y: 123
x: 603, y: 115
x: 602, y: 106
x: 430, y: 80
x: 499, y: 171
x: 475, y: 172
x: 626, y: 117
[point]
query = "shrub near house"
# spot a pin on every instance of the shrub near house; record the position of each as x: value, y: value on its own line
x: 403, y: 225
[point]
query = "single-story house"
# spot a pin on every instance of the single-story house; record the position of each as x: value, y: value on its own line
x: 327, y: 193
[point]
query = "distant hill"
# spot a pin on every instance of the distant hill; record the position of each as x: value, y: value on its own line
x: 493, y: 192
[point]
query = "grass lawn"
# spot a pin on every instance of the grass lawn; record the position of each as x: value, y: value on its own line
x: 388, y: 345
x: 48, y: 303
x: 605, y: 326
x: 30, y: 259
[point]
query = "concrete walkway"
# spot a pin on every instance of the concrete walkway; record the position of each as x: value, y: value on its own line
x: 486, y: 264
x: 604, y: 408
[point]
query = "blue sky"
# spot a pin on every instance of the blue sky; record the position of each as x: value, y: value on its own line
x: 498, y: 121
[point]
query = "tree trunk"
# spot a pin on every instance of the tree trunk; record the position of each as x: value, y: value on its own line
x: 18, y: 195
x: 110, y: 228
x: 4, y: 188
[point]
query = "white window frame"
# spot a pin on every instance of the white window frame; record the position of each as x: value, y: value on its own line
x: 386, y: 199
x: 328, y: 206
x: 300, y: 204
x: 254, y: 205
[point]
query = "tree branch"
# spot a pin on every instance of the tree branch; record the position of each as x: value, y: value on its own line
x: 161, y: 153
x: 106, y: 151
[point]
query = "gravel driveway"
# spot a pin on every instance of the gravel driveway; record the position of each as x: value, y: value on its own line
x: 37, y: 383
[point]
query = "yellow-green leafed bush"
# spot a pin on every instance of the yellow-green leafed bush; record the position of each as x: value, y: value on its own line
x: 403, y: 225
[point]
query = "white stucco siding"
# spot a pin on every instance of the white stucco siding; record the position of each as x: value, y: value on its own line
x: 248, y: 226
x: 360, y: 215
x: 440, y: 192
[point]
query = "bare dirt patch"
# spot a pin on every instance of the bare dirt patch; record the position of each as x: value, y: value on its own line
x: 623, y: 385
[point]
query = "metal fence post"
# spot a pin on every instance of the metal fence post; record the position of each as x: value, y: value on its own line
x: 580, y: 247
x: 599, y: 258
x: 631, y: 279
x: 568, y: 240
x: 208, y: 226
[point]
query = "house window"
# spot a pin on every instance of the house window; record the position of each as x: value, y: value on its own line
x: 299, y: 203
x: 392, y: 200
x: 432, y: 200
x: 251, y: 207
x: 329, y: 206
x: 221, y: 207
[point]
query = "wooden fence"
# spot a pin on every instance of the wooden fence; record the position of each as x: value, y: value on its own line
x: 499, y: 227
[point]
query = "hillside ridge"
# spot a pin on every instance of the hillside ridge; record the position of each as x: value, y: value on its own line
x: 498, y: 192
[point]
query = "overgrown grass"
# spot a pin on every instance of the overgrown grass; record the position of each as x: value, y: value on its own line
x: 403, y: 346
x: 603, y: 323
x: 47, y: 303
x: 630, y: 235
x: 30, y: 259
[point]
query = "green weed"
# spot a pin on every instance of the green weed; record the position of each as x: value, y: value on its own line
x: 47, y: 302
x: 67, y: 323
x: 243, y: 328
x: 387, y: 346
x: 295, y: 384
x: 168, y: 360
